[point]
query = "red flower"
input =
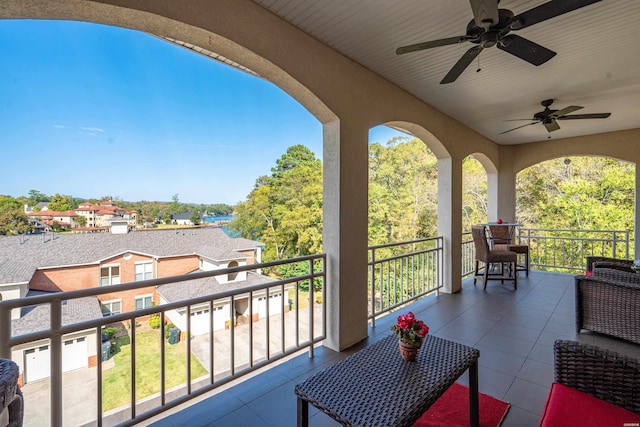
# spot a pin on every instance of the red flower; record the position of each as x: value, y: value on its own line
x: 409, y: 330
x: 424, y: 329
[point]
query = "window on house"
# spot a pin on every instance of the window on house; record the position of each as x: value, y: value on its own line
x: 144, y: 302
x: 111, y: 308
x: 109, y: 275
x: 144, y: 270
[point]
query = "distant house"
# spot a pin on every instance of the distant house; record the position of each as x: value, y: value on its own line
x: 184, y: 218
x: 65, y: 220
x: 54, y: 263
x: 100, y: 215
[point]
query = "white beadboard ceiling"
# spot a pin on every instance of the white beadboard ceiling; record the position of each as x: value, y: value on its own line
x: 597, y: 65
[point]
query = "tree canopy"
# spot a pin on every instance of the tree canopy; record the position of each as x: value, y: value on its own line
x: 284, y: 210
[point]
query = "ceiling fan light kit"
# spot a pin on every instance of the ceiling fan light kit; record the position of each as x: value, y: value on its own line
x: 491, y: 26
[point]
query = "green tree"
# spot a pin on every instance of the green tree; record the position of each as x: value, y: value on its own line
x: 13, y: 220
x: 174, y: 207
x: 36, y: 197
x: 402, y: 191
x: 61, y: 203
x: 474, y: 193
x: 81, y: 220
x: 581, y: 193
x: 195, y: 217
x: 219, y: 209
x: 284, y: 210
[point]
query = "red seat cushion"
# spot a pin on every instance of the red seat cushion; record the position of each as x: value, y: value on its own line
x: 588, y: 273
x: 567, y: 406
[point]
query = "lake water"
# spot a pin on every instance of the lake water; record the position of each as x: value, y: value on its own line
x: 224, y: 219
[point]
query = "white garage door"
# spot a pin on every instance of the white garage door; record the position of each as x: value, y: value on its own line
x: 37, y: 360
x: 200, y: 321
x: 37, y: 363
x: 74, y: 354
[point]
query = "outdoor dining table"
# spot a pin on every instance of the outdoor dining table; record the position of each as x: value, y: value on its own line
x: 376, y: 387
x: 511, y: 227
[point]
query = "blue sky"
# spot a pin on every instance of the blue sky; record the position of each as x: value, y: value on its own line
x: 89, y: 110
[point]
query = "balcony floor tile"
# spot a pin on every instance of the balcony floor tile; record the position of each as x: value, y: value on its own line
x: 514, y: 331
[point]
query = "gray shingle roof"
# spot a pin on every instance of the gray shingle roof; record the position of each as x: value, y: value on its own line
x: 20, y: 256
x: 36, y: 318
x: 200, y: 287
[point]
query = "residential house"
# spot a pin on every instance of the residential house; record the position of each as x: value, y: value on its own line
x: 32, y: 265
x: 65, y: 220
x: 99, y: 215
x: 184, y: 218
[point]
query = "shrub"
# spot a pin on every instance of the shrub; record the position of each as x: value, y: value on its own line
x: 110, y: 332
x: 154, y: 321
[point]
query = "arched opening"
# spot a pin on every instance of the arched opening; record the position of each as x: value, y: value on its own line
x: 232, y: 276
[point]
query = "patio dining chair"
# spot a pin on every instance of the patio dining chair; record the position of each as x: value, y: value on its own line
x: 491, y: 257
x: 502, y: 239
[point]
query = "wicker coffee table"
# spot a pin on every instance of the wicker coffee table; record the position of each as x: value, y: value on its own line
x: 375, y: 387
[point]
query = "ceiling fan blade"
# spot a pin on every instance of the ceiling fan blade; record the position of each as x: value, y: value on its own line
x: 546, y: 11
x: 567, y: 110
x: 551, y: 126
x: 525, y: 49
x: 528, y: 124
x: 485, y: 12
x: 428, y: 45
x: 585, y: 116
x: 462, y: 64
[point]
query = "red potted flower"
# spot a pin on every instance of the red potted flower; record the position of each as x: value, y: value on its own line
x: 410, y: 333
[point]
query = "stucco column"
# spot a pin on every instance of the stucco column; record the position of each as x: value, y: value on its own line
x: 345, y: 232
x: 450, y: 221
x: 501, y: 189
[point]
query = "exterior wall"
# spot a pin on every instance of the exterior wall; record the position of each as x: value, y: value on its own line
x: 13, y: 291
x: 88, y: 276
x: 66, y: 278
x: 209, y: 265
x: 177, y: 265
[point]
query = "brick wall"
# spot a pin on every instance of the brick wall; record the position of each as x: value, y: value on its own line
x: 88, y: 276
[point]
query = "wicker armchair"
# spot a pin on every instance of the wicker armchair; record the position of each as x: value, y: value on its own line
x: 10, y: 394
x: 607, y: 262
x: 598, y: 372
x: 615, y: 274
x: 608, y: 306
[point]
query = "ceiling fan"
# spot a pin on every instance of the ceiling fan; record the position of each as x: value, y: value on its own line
x: 548, y: 117
x: 491, y: 27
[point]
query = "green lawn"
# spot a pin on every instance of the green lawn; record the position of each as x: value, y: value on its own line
x: 116, y: 381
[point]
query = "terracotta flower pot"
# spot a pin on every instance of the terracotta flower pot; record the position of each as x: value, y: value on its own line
x: 407, y: 351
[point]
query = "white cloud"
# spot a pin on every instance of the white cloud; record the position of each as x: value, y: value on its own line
x: 59, y: 126
x: 93, y: 130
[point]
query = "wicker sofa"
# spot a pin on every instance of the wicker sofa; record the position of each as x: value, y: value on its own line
x: 608, y: 300
x: 593, y: 387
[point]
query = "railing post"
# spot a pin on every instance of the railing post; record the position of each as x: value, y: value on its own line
x: 372, y: 284
x: 56, y: 362
x: 311, y: 309
x: 5, y: 332
x: 614, y: 239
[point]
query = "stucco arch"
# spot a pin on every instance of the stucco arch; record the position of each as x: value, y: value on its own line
x: 488, y: 164
x: 430, y: 140
x: 620, y: 145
